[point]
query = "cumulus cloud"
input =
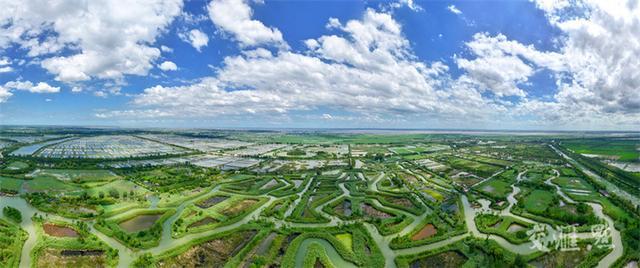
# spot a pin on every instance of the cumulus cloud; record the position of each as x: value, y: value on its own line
x: 368, y: 68
x: 106, y: 40
x: 168, y: 66
x: 196, y: 38
x: 5, y: 94
x: 41, y: 87
x: 502, y: 65
x: 234, y: 17
x: 4, y: 65
x: 600, y: 49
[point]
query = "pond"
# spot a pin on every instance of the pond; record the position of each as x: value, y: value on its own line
x: 30, y: 149
x: 211, y: 201
x: 205, y: 221
x: 140, y: 222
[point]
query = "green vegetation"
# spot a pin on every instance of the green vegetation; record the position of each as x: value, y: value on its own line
x: 620, y: 149
x: 10, y: 185
x: 11, y: 240
x: 12, y: 214
x: 63, y: 244
x: 512, y: 229
x: 278, y: 199
x: 138, y: 228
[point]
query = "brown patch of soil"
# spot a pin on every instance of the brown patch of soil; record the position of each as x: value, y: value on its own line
x: 373, y: 212
x: 211, y: 201
x: 59, y: 231
x: 214, y: 253
x: 400, y: 201
x: 237, y: 208
x: 449, y: 259
x: 71, y: 258
x: 427, y: 231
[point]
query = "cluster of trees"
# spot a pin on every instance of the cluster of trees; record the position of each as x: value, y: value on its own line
x: 63, y: 204
x: 12, y: 214
x: 173, y: 178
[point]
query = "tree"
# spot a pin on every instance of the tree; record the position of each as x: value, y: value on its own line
x: 12, y: 214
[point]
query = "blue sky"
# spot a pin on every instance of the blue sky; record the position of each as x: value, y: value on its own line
x: 230, y: 63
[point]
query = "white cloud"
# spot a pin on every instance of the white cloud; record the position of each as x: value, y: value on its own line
x: 234, y: 17
x: 599, y: 83
x: 76, y: 89
x: 168, y: 66
x: 5, y: 94
x: 106, y: 40
x: 196, y: 38
x: 166, y: 49
x: 502, y: 65
x: 408, y: 3
x: 4, y: 62
x: 454, y: 10
x: 41, y: 87
x: 368, y: 69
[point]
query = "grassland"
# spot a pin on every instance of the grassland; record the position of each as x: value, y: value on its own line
x: 623, y: 150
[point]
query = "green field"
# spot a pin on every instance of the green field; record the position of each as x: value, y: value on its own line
x: 16, y: 165
x: 572, y: 183
x: 48, y: 184
x: 538, y: 201
x: 623, y: 150
x: 79, y: 176
x: 10, y: 184
x: 480, y: 169
x: 495, y: 188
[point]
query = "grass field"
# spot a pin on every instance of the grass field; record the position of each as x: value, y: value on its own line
x: 495, y: 188
x: 572, y: 183
x: 480, y: 169
x: 624, y: 150
x: 10, y: 184
x: 538, y: 201
x: 346, y: 239
x: 568, y: 172
x: 16, y: 165
x: 122, y: 186
x: 48, y: 184
x: 79, y: 176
